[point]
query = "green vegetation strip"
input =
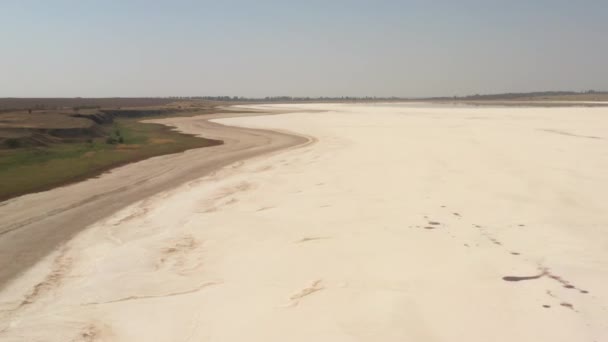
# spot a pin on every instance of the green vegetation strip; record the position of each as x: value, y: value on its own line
x: 27, y: 170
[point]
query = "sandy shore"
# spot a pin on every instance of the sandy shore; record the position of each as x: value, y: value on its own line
x: 400, y: 223
x: 34, y: 225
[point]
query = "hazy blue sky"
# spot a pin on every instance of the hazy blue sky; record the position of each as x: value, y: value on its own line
x: 308, y: 48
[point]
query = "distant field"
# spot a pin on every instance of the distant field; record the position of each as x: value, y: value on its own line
x: 26, y: 170
x: 45, y: 143
x: 57, y: 103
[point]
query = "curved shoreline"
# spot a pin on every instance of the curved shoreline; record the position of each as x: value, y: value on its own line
x: 31, y: 226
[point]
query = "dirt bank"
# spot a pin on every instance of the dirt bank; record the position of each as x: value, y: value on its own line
x: 33, y: 225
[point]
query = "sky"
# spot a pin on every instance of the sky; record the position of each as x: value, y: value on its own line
x: 127, y: 48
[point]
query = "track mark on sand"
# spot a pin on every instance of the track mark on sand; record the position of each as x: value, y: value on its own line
x: 312, y: 238
x: 520, y: 278
x: 264, y: 168
x: 546, y: 272
x: 431, y: 224
x: 562, y: 281
x: 555, y: 131
x: 237, y: 165
x: 494, y: 241
x: 487, y: 235
x: 166, y: 295
x: 221, y: 198
x: 61, y: 266
x: 138, y: 212
x: 307, y: 291
x: 567, y: 305
x: 561, y: 302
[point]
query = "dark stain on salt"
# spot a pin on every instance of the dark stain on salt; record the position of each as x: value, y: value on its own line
x: 517, y: 278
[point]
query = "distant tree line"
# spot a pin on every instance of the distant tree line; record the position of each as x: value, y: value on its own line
x: 503, y: 96
x: 287, y: 98
x: 511, y: 96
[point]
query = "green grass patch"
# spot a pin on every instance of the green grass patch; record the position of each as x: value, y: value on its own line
x: 26, y: 170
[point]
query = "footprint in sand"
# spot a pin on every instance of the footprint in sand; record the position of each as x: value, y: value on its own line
x: 432, y: 224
